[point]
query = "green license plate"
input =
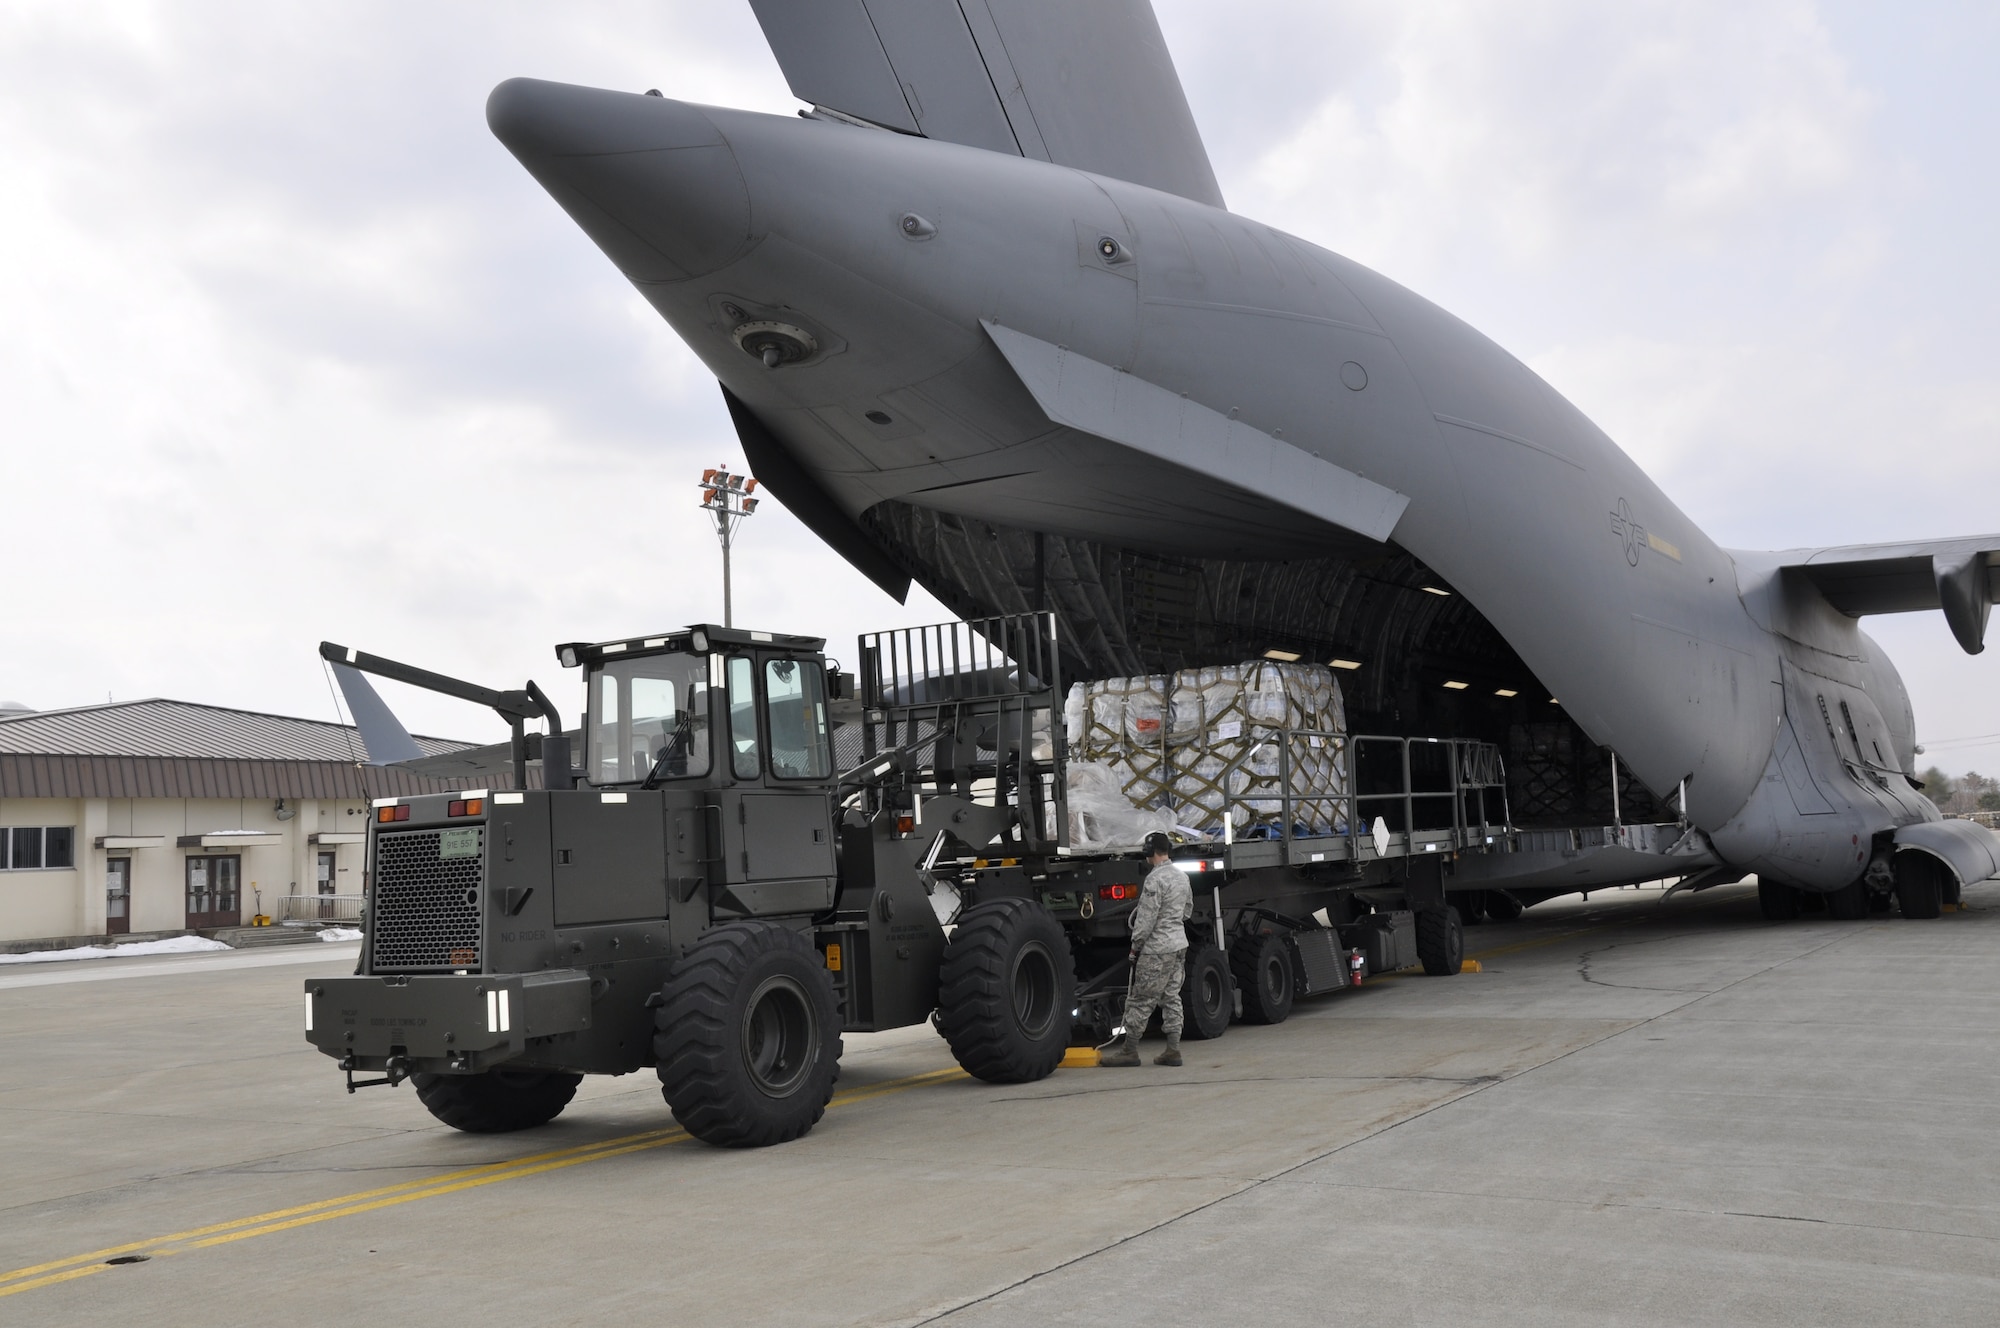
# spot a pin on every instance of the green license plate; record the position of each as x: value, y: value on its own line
x: 459, y: 843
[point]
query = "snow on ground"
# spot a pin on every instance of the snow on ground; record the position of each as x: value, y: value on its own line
x: 172, y: 945
x: 340, y: 934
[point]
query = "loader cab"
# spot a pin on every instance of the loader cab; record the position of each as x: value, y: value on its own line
x: 708, y: 706
x: 731, y: 728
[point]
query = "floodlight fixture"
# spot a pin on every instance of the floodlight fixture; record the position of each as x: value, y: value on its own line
x: 725, y: 497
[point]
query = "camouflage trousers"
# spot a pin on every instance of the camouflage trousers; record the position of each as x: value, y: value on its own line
x: 1156, y: 984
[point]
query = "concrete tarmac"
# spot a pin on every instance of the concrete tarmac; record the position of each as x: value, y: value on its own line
x: 1640, y: 1112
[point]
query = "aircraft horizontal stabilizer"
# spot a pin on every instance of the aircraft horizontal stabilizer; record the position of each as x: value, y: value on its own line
x: 1097, y: 399
x: 1971, y: 851
x: 1084, y: 85
x: 1960, y: 576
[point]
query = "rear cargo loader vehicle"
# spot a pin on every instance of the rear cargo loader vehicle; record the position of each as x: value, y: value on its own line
x: 754, y: 853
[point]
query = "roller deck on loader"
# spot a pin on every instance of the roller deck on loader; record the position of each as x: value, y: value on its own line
x: 755, y: 855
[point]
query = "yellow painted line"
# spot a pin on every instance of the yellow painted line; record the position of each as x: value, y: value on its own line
x: 387, y: 1196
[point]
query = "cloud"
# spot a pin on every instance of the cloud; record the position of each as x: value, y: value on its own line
x: 297, y: 350
x: 1536, y: 130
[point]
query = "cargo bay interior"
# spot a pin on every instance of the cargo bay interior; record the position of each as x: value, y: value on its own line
x: 1413, y: 658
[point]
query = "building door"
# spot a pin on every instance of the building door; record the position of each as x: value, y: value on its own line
x: 117, y: 896
x: 328, y: 886
x: 214, y: 891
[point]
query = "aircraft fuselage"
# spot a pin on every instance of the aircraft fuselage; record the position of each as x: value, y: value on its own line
x: 887, y: 265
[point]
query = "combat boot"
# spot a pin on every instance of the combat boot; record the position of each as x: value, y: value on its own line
x: 1172, y: 1055
x: 1120, y: 1052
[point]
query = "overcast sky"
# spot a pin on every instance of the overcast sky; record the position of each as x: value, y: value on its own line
x: 291, y: 349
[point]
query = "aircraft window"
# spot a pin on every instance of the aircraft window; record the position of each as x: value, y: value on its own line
x: 743, y: 718
x: 644, y: 712
x: 795, y: 697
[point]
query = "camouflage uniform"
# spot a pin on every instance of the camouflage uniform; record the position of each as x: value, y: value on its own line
x: 1159, y: 938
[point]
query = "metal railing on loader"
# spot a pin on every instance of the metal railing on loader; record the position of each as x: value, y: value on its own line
x: 971, y: 710
x: 1398, y: 796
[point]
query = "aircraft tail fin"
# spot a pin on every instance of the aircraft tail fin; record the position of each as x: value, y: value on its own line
x: 382, y: 733
x: 1089, y: 85
x: 1959, y: 576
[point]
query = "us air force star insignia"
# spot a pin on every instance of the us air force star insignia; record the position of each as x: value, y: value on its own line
x: 1625, y: 528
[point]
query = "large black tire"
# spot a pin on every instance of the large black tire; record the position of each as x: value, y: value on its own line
x: 1440, y: 941
x: 498, y: 1101
x: 1207, y: 1001
x: 1778, y: 903
x: 1920, y: 885
x: 1471, y: 906
x: 1849, y: 903
x: 748, y: 1036
x: 1950, y: 892
x: 1005, y: 992
x: 1262, y: 966
x: 1503, y: 907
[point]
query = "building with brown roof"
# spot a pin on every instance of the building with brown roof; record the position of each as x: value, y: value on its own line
x: 166, y: 816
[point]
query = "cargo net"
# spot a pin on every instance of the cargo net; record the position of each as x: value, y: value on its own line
x: 1201, y: 749
x: 424, y: 914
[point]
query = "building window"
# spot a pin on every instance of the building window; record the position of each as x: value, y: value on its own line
x: 36, y: 847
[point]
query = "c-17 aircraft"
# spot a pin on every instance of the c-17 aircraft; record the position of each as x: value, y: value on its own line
x: 984, y: 322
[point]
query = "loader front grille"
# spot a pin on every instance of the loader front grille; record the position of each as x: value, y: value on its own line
x: 425, y: 913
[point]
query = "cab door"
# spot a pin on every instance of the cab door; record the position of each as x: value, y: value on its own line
x: 775, y: 826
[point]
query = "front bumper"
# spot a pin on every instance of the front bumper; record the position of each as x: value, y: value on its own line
x: 469, y: 1022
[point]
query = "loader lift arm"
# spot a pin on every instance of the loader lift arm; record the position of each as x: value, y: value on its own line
x: 516, y: 706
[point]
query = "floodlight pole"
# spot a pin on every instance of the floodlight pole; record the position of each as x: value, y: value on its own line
x: 726, y: 498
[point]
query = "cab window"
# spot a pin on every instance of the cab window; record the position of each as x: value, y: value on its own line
x: 795, y: 701
x: 744, y: 759
x: 648, y: 713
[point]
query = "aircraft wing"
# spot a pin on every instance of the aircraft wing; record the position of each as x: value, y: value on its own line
x: 1088, y: 85
x: 1960, y: 576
